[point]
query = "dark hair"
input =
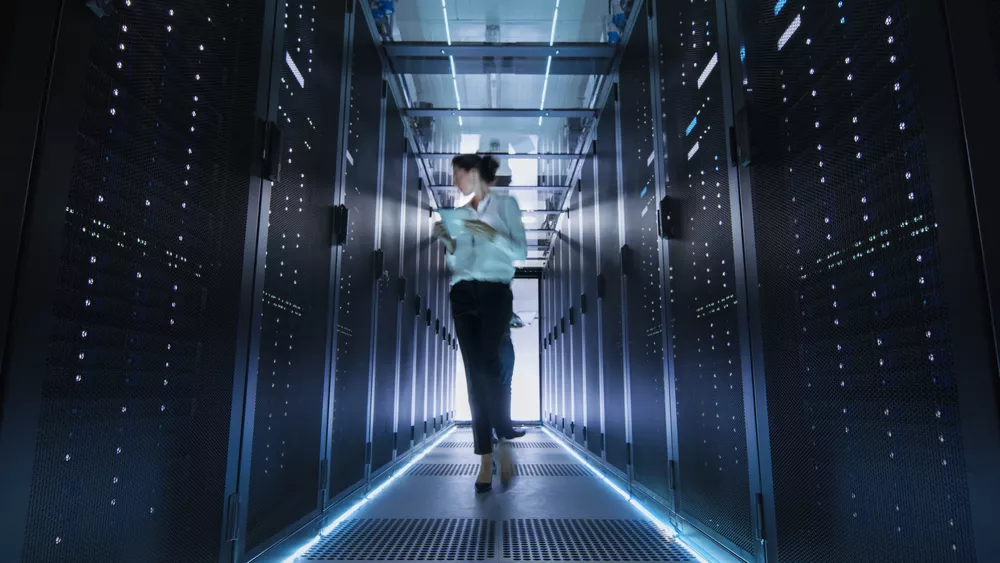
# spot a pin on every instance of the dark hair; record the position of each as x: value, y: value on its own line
x: 486, y: 165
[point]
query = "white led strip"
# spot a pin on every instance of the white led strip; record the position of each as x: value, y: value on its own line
x: 667, y: 530
x: 548, y: 64
x: 364, y: 500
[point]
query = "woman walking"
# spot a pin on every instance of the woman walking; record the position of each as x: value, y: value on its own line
x: 481, y: 261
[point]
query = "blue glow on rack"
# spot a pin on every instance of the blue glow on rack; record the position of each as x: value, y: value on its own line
x: 691, y: 126
x: 364, y: 500
x: 548, y: 64
x: 665, y: 528
x: 451, y: 59
x: 779, y: 5
x: 743, y: 53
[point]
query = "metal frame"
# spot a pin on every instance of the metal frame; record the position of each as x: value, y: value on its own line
x: 961, y: 252
x: 406, y: 49
x: 663, y: 254
x: 23, y: 96
x: 46, y: 185
x: 373, y: 335
x: 500, y: 112
x: 972, y: 51
x: 244, y: 401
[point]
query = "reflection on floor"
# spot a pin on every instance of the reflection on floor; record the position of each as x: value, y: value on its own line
x: 556, y: 510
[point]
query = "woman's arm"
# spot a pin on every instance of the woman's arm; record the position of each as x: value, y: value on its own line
x: 515, y: 245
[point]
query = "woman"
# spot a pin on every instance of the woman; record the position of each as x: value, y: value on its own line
x: 482, y: 268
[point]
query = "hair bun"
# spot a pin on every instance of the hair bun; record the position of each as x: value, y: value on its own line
x: 488, y: 167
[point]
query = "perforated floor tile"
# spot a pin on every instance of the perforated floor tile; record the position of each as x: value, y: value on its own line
x: 411, y: 539
x: 588, y: 540
x: 519, y: 445
x: 520, y: 470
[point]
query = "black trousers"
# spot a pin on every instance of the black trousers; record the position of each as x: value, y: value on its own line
x: 482, y: 312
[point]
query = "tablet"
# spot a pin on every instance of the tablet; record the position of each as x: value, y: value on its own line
x: 454, y: 220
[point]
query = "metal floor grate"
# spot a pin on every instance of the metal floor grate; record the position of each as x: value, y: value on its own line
x: 520, y: 469
x: 444, y: 470
x: 589, y: 540
x: 516, y: 445
x: 411, y: 539
x: 550, y: 470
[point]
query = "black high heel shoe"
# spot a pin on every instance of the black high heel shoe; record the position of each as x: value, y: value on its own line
x: 486, y: 487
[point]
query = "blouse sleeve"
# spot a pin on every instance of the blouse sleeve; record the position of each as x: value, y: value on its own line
x: 514, y: 245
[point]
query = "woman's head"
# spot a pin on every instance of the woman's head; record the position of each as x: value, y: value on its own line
x: 474, y: 173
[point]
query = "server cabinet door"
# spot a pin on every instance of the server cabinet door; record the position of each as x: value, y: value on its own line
x: 124, y: 381
x: 589, y: 304
x: 610, y: 286
x: 356, y: 288
x: 423, y: 324
x: 434, y: 340
x: 559, y: 318
x: 643, y: 277
x: 711, y: 379
x: 575, y: 324
x: 409, y: 313
x: 287, y: 426
x: 877, y: 374
x: 387, y: 342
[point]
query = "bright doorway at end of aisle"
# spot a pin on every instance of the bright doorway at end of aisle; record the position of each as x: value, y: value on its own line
x: 525, y: 387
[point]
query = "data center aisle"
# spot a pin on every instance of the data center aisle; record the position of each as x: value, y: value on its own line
x: 556, y: 510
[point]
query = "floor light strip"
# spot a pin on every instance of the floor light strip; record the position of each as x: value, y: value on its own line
x: 364, y: 500
x: 667, y: 529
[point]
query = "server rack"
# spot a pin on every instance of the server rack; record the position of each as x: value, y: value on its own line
x: 120, y: 312
x: 641, y: 270
x: 589, y: 306
x: 575, y: 228
x: 286, y: 430
x: 386, y: 268
x: 610, y: 289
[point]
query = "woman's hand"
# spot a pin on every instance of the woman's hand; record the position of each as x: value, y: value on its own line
x: 441, y: 234
x: 478, y: 227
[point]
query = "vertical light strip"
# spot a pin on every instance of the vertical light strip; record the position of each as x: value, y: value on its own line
x: 451, y: 59
x: 792, y: 28
x: 364, y: 500
x: 666, y: 529
x: 548, y: 64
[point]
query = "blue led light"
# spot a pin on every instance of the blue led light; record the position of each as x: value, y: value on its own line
x: 691, y: 126
x: 779, y: 5
x: 364, y: 500
x: 743, y: 53
x: 667, y: 530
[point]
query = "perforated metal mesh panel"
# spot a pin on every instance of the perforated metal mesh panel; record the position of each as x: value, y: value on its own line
x: 861, y: 393
x: 588, y: 540
x: 611, y: 304
x: 444, y: 470
x: 713, y: 479
x: 518, y: 444
x: 446, y: 539
x: 292, y: 365
x: 643, y: 278
x: 355, y: 291
x: 137, y: 386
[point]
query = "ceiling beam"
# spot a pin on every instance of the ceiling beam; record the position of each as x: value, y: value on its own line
x: 413, y: 49
x: 501, y: 112
x: 579, y: 59
x: 555, y: 189
x: 498, y: 155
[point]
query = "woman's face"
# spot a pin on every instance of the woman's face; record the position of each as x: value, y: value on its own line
x: 465, y: 180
